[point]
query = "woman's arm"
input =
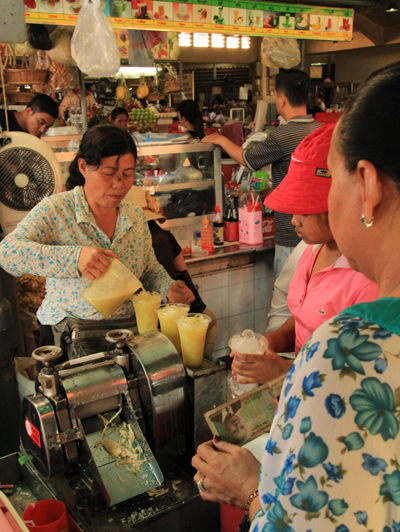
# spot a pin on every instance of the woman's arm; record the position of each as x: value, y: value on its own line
x: 33, y: 247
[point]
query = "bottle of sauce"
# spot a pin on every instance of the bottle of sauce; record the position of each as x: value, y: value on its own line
x: 218, y: 227
x: 207, y: 236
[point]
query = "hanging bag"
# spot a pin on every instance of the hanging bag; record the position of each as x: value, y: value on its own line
x: 94, y: 45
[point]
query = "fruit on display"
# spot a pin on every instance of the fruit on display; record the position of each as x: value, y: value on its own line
x: 120, y: 93
x: 142, y: 120
x: 142, y: 91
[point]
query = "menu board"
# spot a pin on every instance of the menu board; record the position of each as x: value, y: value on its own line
x: 210, y: 16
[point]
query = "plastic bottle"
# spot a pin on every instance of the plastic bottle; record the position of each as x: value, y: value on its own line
x: 207, y: 240
x: 72, y: 116
x: 218, y: 227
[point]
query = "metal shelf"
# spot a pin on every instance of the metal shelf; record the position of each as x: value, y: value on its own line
x: 180, y: 186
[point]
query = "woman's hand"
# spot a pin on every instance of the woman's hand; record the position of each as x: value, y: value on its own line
x: 93, y: 262
x: 214, y: 138
x: 230, y: 472
x: 178, y: 292
x: 258, y: 368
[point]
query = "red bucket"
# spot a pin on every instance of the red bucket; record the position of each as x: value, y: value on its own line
x: 49, y: 515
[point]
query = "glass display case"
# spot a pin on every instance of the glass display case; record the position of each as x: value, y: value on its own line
x: 184, y: 178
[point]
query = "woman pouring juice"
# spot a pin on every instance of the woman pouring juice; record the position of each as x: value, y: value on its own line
x: 69, y: 238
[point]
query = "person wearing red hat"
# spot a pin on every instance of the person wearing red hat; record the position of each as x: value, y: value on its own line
x: 323, y: 283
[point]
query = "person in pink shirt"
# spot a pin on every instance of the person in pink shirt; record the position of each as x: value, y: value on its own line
x: 323, y: 283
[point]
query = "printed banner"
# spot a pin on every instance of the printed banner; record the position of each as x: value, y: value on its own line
x: 211, y: 16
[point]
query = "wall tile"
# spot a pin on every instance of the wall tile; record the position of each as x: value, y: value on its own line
x: 221, y: 341
x: 210, y: 282
x: 241, y: 275
x: 262, y: 267
x: 241, y: 298
x: 225, y: 278
x: 263, y: 292
x: 213, y: 300
x: 239, y: 323
x: 260, y: 320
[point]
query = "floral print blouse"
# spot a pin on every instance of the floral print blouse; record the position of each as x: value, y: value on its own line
x: 49, y: 239
x: 332, y: 461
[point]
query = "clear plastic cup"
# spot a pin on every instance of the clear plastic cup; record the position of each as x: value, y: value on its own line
x: 108, y: 292
x: 167, y: 315
x: 253, y: 344
x: 192, y: 333
x: 145, y: 304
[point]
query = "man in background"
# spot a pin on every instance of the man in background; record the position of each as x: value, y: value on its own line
x: 39, y: 115
x: 291, y: 96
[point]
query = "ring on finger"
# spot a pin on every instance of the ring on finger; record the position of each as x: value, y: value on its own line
x: 200, y: 484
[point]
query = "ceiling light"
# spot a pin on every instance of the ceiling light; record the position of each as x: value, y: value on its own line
x: 135, y: 72
x: 392, y: 8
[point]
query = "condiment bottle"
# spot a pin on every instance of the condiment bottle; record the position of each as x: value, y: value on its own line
x: 207, y: 237
x: 218, y: 227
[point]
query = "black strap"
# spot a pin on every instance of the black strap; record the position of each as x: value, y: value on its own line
x: 198, y: 304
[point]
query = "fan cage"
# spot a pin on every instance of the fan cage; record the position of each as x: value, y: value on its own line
x: 40, y: 173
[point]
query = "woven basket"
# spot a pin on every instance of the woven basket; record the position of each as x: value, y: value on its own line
x: 172, y: 86
x: 153, y: 96
x: 24, y: 76
x: 17, y: 97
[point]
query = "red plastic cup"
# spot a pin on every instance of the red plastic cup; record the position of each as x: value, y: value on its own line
x: 49, y: 515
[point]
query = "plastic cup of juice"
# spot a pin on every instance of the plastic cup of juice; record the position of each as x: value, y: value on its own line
x: 109, y: 291
x: 145, y: 304
x: 118, y: 9
x: 192, y: 333
x: 167, y: 315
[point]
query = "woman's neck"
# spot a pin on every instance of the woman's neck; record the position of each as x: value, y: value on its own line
x: 328, y: 255
x: 106, y: 219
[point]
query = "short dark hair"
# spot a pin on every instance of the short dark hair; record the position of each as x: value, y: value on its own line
x: 41, y: 103
x: 118, y: 111
x: 97, y: 143
x: 361, y: 134
x: 295, y: 85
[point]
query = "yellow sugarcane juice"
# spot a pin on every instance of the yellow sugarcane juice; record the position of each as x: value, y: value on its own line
x: 108, y: 292
x: 145, y: 304
x: 167, y: 315
x: 192, y: 333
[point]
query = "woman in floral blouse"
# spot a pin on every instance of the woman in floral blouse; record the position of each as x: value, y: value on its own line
x: 332, y: 461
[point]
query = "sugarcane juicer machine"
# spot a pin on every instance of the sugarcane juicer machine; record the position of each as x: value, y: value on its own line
x: 107, y: 427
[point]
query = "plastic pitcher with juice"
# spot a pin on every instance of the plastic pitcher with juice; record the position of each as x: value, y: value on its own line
x: 145, y: 304
x: 192, y: 333
x: 167, y: 315
x: 109, y: 291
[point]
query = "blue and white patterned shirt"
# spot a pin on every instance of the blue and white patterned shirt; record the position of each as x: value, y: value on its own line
x: 48, y: 242
x: 332, y: 461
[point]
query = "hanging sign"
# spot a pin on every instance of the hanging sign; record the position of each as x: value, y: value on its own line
x: 210, y: 16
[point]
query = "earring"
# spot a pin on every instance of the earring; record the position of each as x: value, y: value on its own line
x: 364, y: 221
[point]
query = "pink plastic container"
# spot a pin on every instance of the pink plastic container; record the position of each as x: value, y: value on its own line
x: 250, y: 227
x: 49, y: 515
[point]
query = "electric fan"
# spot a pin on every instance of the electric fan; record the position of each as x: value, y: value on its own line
x: 29, y: 171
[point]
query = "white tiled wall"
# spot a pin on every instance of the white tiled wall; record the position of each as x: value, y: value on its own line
x: 240, y: 297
